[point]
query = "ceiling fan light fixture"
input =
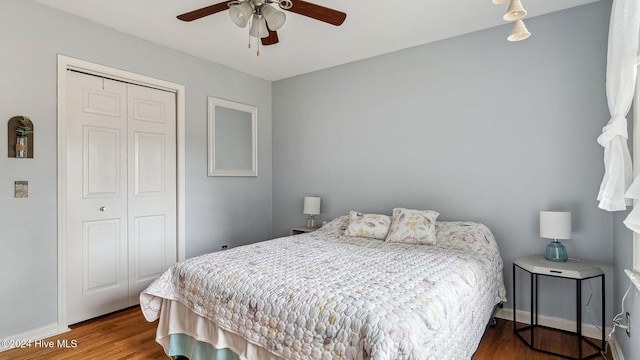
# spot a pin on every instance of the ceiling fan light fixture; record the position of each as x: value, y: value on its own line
x: 240, y: 13
x: 519, y: 31
x: 258, y: 27
x: 274, y: 18
x: 285, y: 4
x: 263, y: 25
x: 515, y: 11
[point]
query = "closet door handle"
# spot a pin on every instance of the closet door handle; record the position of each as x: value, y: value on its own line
x: 102, y: 208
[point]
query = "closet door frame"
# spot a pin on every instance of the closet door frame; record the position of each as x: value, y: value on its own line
x: 66, y: 63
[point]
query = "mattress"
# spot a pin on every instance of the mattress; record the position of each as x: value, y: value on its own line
x: 323, y: 295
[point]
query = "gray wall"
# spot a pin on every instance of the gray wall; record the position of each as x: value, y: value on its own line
x: 219, y: 210
x: 474, y: 127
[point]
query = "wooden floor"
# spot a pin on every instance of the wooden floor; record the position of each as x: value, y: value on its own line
x: 127, y: 335
x: 500, y: 343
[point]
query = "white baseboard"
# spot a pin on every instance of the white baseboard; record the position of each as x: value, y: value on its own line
x: 588, y: 330
x: 36, y: 334
x: 614, y: 348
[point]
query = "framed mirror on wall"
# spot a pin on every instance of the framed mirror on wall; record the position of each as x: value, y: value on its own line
x: 232, y: 138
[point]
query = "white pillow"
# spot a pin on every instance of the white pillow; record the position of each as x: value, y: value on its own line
x: 368, y: 225
x: 410, y: 226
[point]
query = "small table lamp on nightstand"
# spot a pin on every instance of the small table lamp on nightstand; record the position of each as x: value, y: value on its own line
x: 311, y: 208
x: 555, y: 225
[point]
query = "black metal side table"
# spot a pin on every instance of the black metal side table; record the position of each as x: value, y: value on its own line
x: 571, y: 269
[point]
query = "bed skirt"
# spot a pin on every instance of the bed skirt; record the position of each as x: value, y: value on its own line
x: 181, y: 332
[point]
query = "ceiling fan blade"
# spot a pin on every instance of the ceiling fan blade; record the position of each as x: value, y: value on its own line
x: 272, y: 39
x: 205, y: 11
x: 333, y: 17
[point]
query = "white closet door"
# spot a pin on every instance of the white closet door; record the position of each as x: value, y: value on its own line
x: 96, y: 188
x: 152, y: 186
x: 121, y: 192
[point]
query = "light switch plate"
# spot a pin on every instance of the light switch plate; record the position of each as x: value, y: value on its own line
x: 21, y: 189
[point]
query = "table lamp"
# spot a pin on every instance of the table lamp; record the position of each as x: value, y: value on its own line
x: 555, y: 225
x: 311, y: 208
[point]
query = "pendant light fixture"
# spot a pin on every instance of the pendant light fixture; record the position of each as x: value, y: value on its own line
x: 515, y: 12
x: 519, y: 31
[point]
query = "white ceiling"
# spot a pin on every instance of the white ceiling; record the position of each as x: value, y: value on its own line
x: 372, y: 27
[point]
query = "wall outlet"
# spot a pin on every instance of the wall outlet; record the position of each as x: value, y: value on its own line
x: 628, y: 329
x: 224, y: 247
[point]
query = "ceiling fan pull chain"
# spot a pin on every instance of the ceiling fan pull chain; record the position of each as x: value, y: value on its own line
x: 249, y: 43
x: 258, y: 46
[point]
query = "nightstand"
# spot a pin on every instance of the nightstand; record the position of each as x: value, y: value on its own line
x: 301, y: 230
x: 571, y: 269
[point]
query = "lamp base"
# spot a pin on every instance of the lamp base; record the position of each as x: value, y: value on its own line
x: 556, y: 252
x: 312, y: 222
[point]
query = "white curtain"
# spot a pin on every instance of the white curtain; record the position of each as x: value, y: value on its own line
x: 624, y: 28
x: 633, y: 219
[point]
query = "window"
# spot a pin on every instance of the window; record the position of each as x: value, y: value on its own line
x: 636, y: 166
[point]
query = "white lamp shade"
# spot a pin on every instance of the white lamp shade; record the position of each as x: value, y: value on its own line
x: 555, y: 224
x: 240, y: 14
x: 519, y: 32
x: 515, y: 11
x: 498, y: 2
x: 275, y: 18
x: 258, y: 27
x: 311, y: 205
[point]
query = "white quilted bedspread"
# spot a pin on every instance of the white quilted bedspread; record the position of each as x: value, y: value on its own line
x: 322, y: 295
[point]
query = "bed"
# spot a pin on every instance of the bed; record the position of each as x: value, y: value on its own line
x: 333, y: 294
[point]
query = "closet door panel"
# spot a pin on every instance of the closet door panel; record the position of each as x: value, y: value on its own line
x: 152, y: 180
x: 101, y: 162
x: 101, y: 255
x: 149, y: 164
x: 96, y: 264
x: 149, y: 262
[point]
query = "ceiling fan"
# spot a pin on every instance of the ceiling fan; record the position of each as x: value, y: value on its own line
x: 266, y: 19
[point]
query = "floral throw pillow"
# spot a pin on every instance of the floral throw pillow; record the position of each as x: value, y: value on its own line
x: 413, y: 226
x: 368, y: 225
x: 335, y: 226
